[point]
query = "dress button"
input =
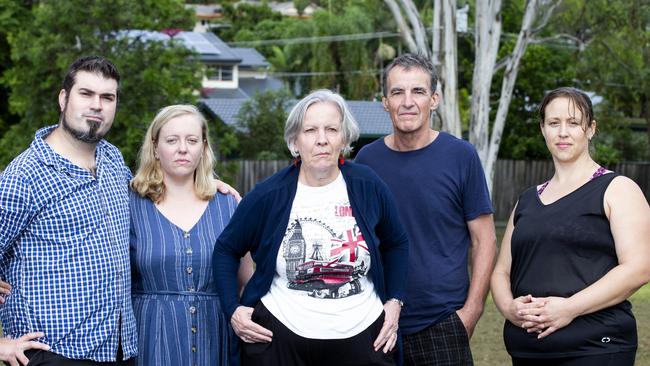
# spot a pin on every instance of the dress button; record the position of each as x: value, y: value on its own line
x: 188, y: 251
x: 189, y: 270
x: 186, y: 234
x: 191, y: 289
x: 193, y: 329
x: 192, y: 309
x: 193, y: 349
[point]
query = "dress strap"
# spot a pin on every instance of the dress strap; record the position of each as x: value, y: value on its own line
x: 542, y: 187
x: 600, y: 171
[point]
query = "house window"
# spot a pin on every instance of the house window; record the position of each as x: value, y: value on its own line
x: 220, y: 72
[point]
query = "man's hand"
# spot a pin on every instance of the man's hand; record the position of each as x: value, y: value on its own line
x: 12, y: 351
x: 247, y: 329
x: 469, y: 317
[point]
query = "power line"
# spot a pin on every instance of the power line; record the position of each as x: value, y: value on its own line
x: 368, y: 36
x: 325, y: 73
x: 317, y: 39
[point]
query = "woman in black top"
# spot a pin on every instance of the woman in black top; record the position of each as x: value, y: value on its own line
x: 575, y: 248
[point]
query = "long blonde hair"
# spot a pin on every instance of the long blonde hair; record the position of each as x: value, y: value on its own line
x: 148, y: 180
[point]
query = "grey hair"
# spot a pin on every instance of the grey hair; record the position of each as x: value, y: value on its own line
x: 349, y: 125
x: 408, y: 61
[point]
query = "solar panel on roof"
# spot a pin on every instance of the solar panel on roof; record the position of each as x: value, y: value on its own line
x: 199, y: 43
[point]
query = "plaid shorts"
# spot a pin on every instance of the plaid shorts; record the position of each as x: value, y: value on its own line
x: 442, y: 344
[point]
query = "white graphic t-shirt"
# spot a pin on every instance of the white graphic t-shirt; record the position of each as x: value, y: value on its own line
x: 321, y: 289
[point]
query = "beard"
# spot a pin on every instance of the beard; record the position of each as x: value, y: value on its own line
x: 91, y: 136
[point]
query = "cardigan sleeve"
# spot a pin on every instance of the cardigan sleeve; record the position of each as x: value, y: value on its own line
x: 239, y: 237
x: 394, y: 244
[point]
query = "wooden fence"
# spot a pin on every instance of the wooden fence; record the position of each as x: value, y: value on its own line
x: 511, y: 178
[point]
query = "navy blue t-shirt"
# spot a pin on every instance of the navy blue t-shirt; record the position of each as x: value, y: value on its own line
x: 438, y: 188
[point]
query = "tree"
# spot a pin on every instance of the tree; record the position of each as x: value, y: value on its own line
x: 487, y: 38
x: 346, y: 66
x: 613, y: 40
x: 543, y: 68
x: 12, y: 15
x: 244, y: 16
x: 154, y: 74
x: 261, y: 121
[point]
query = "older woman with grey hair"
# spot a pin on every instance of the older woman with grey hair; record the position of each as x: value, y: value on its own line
x: 329, y: 249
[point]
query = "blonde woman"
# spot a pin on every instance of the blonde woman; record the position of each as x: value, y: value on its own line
x: 176, y: 216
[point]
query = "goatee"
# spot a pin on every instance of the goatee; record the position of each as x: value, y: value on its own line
x: 90, y: 137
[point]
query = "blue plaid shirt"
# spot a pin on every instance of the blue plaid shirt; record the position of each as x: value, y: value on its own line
x: 64, y: 248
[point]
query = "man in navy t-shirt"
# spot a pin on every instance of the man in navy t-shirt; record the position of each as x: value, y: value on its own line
x: 442, y: 196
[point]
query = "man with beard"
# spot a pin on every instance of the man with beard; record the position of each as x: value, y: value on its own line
x: 64, y: 232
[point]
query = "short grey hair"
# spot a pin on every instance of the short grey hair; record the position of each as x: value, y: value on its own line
x: 408, y: 61
x: 349, y: 125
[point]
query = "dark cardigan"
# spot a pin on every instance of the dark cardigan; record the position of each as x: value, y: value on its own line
x: 259, y: 224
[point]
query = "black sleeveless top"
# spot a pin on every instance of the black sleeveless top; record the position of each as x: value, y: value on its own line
x: 557, y: 250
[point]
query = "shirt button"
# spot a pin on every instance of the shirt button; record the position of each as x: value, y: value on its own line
x: 191, y: 289
x: 188, y: 251
x: 193, y: 329
x: 193, y: 349
x: 186, y: 234
x: 192, y: 309
x: 188, y: 270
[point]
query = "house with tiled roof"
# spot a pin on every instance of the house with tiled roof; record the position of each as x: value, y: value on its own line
x: 234, y: 75
x: 373, y: 120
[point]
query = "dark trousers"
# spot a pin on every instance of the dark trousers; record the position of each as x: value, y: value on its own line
x: 443, y: 344
x: 46, y: 358
x: 290, y: 349
x: 610, y: 359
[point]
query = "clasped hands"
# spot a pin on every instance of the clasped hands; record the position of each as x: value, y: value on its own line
x: 542, y: 315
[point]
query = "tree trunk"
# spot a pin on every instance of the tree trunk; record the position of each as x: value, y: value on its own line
x: 449, y: 71
x: 486, y: 36
x: 405, y: 31
x: 509, y: 78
